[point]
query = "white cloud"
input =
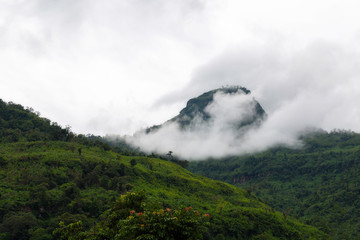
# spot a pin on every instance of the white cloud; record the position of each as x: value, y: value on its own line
x: 313, y: 88
x: 86, y: 62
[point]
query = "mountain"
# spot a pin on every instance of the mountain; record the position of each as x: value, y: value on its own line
x: 223, y: 117
x: 76, y: 180
x: 318, y: 184
x: 197, y: 110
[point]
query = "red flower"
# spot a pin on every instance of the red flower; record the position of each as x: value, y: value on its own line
x: 132, y: 212
x: 140, y: 213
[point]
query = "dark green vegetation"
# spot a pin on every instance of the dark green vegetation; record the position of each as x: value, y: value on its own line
x: 62, y: 177
x: 196, y: 108
x: 18, y: 124
x: 318, y: 184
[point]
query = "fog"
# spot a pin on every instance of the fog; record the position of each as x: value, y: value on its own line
x: 220, y: 136
x: 313, y: 88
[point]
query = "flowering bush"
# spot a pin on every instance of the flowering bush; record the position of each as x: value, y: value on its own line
x: 128, y: 219
x: 184, y: 223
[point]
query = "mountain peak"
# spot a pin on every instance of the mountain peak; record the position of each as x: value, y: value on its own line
x: 226, y: 109
x: 199, y: 107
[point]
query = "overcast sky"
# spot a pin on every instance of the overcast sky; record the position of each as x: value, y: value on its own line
x: 112, y: 67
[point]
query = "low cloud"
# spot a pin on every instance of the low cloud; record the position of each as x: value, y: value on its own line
x: 316, y: 87
x: 218, y: 137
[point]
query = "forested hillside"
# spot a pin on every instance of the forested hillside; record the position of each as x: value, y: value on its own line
x: 319, y: 183
x: 18, y: 123
x: 75, y: 180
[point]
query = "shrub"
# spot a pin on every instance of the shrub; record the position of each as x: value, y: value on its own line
x: 128, y: 219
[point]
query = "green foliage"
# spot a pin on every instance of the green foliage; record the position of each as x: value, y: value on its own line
x: 318, y: 184
x: 73, y: 231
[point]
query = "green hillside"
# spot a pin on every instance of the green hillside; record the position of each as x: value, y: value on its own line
x: 18, y: 123
x: 45, y: 182
x: 319, y: 184
x: 48, y: 182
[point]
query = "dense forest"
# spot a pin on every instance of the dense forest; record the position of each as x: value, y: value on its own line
x: 55, y: 184
x: 318, y: 183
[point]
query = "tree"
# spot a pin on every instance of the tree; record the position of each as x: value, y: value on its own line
x: 133, y: 162
x: 79, y: 150
x: 18, y: 224
x: 169, y: 154
x: 129, y: 219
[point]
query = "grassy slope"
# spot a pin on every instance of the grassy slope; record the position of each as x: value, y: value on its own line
x: 319, y: 184
x: 49, y: 181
